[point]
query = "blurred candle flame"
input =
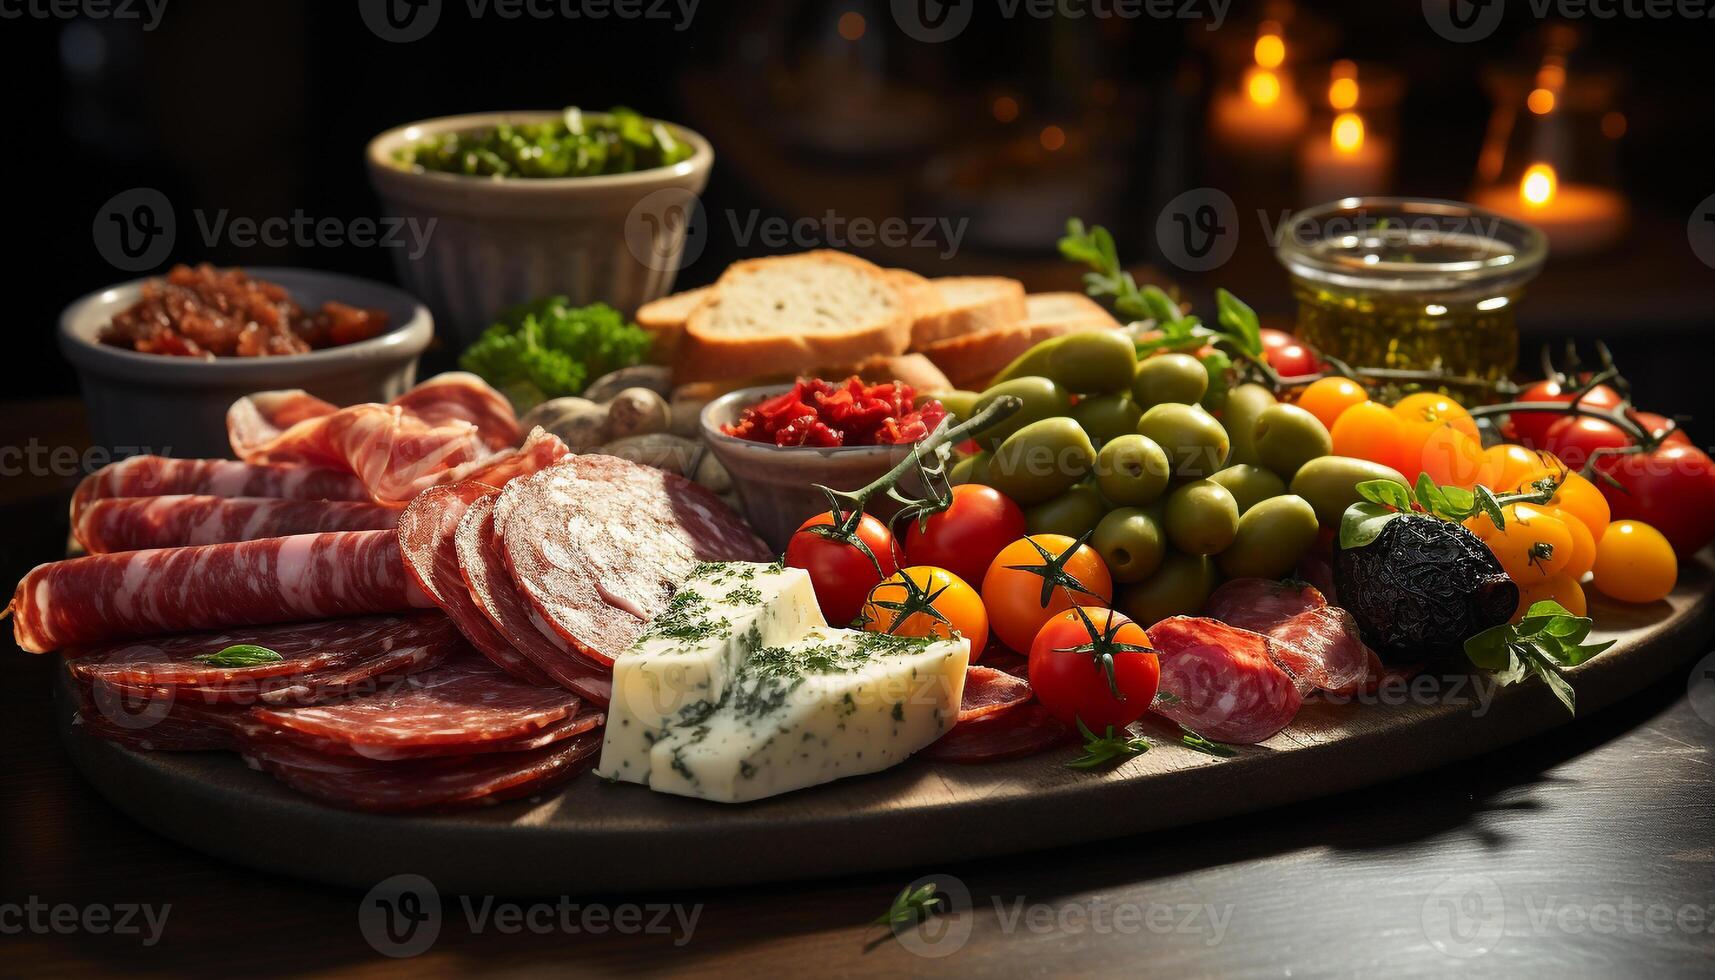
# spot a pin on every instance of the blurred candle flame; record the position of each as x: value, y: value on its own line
x: 1262, y: 86
x: 1539, y: 185
x: 1348, y: 132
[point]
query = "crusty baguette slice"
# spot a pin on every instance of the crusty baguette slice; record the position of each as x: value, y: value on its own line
x: 792, y: 313
x: 970, y: 361
x: 664, y: 321
x: 913, y: 369
x: 968, y: 304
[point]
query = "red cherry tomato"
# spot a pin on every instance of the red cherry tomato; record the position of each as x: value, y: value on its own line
x: 1668, y: 489
x: 1657, y: 424
x: 965, y: 537
x: 1273, y: 339
x: 1574, y: 437
x: 1531, y: 428
x: 1074, y: 685
x: 841, y: 574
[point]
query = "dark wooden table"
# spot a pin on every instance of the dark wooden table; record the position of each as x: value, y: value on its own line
x: 1587, y: 852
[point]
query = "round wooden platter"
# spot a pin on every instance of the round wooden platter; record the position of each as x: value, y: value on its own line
x: 591, y: 836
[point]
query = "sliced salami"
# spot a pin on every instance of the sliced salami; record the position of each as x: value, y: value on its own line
x: 251, y: 730
x: 100, y: 598
x: 427, y: 532
x: 364, y: 784
x: 989, y: 691
x: 542, y: 450
x: 138, y: 523
x: 492, y: 589
x: 156, y: 476
x: 1223, y: 681
x: 597, y: 544
x: 1260, y: 604
x: 1322, y: 648
x: 1025, y: 730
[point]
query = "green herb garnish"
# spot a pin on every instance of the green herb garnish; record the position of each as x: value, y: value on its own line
x: 240, y: 655
x: 575, y: 145
x: 1385, y: 500
x: 1099, y: 750
x: 1198, y: 743
x: 909, y: 906
x: 1546, y: 640
x: 550, y: 348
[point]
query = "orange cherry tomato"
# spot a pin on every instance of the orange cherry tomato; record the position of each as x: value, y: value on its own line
x: 1510, y: 466
x: 1583, y: 543
x: 1429, y: 406
x: 1635, y: 563
x: 956, y: 602
x: 1013, y: 588
x: 1445, y: 452
x: 1561, y: 588
x: 1371, y: 431
x: 1533, y: 546
x: 1329, y: 398
x: 1584, y: 500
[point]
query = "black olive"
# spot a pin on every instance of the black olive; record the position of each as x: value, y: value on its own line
x: 1421, y: 588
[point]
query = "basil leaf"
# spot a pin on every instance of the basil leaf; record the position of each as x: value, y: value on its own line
x: 1488, y: 650
x: 1362, y: 522
x: 1239, y: 320
x: 240, y: 655
x: 1161, y: 307
x: 1387, y: 492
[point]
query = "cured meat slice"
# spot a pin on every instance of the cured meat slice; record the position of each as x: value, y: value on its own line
x: 365, y: 784
x: 1224, y: 683
x: 149, y: 723
x: 1260, y: 604
x: 1322, y: 648
x: 989, y: 691
x: 1025, y: 730
x: 463, y: 702
x: 137, y: 523
x: 459, y: 396
x: 155, y: 476
x: 169, y: 590
x: 427, y: 531
x: 541, y: 450
x: 492, y: 589
x: 597, y: 544
x: 249, y: 730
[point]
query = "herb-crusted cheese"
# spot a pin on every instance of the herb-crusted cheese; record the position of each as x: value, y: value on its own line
x: 681, y: 665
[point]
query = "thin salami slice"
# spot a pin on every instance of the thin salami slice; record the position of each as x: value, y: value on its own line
x: 138, y: 523
x: 464, y: 701
x: 1025, y: 730
x: 989, y: 691
x: 156, y: 476
x: 427, y: 531
x: 250, y: 730
x: 150, y: 723
x: 597, y: 544
x: 493, y: 591
x: 1322, y: 648
x: 429, y: 784
x: 1224, y: 683
x: 1261, y: 604
x: 100, y: 598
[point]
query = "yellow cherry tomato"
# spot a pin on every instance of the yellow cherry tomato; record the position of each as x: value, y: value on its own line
x: 1634, y: 563
x: 1429, y: 406
x: 1533, y: 546
x: 1581, y: 498
x: 1583, y: 556
x: 1561, y: 588
x: 1329, y: 398
x: 1508, y: 467
x: 890, y: 604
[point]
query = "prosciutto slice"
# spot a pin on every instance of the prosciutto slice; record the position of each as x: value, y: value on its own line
x: 136, y: 523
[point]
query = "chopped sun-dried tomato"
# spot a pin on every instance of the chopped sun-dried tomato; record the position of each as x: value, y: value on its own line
x: 850, y: 413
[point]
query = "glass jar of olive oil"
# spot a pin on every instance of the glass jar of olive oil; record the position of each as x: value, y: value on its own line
x: 1388, y: 282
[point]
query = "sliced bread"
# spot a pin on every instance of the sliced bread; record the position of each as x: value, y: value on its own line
x: 664, y: 320
x: 792, y: 313
x: 968, y: 304
x: 970, y: 361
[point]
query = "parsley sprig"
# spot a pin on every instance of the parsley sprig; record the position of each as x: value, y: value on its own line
x: 1548, y: 639
x: 909, y: 906
x: 1099, y: 750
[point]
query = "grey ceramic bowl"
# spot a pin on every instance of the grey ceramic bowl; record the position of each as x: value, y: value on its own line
x: 496, y: 243
x: 778, y: 483
x: 176, y: 406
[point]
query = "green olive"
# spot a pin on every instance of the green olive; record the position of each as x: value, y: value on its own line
x: 1202, y: 518
x: 1132, y: 542
x: 1107, y: 417
x: 1244, y: 404
x: 1043, y: 399
x: 1195, y: 444
x: 1093, y: 362
x: 1249, y: 485
x: 959, y: 404
x: 1272, y: 536
x: 1287, y: 437
x: 971, y: 469
x: 1178, y: 588
x: 1041, y: 461
x: 1074, y: 513
x: 1168, y: 379
x: 1132, y: 470
x: 1331, y: 484
x: 1031, y: 363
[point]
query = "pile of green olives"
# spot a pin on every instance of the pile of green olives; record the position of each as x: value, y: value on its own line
x: 1178, y: 487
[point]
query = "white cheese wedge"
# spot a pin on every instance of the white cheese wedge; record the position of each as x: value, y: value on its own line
x: 682, y: 663
x: 829, y: 704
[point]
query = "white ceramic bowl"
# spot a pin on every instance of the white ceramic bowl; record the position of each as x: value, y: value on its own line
x: 176, y: 406
x: 498, y: 242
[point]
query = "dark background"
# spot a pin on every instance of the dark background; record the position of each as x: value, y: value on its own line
x: 263, y: 106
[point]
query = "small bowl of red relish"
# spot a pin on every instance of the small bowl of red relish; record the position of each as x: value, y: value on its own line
x: 781, y: 441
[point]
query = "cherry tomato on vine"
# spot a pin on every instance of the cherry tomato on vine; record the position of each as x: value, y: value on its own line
x: 841, y: 573
x: 1655, y: 425
x: 1575, y: 437
x: 1531, y: 428
x: 1634, y: 563
x: 1581, y: 499
x: 966, y: 536
x: 1089, y: 668
x: 1431, y: 407
x: 1533, y: 546
x: 1509, y: 466
x: 1294, y: 360
x: 1444, y: 451
x: 1669, y: 488
x: 1561, y: 588
x: 900, y: 604
x: 1037, y: 577
x: 1371, y: 431
x: 1329, y: 398
x: 1583, y: 553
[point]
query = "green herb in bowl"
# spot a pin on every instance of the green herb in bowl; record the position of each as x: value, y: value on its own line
x: 551, y: 348
x: 617, y: 142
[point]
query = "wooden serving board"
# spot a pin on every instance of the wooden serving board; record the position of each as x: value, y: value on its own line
x: 591, y: 836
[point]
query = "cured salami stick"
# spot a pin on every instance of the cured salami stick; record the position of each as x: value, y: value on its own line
x: 167, y: 590
x: 155, y: 476
x: 136, y: 523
